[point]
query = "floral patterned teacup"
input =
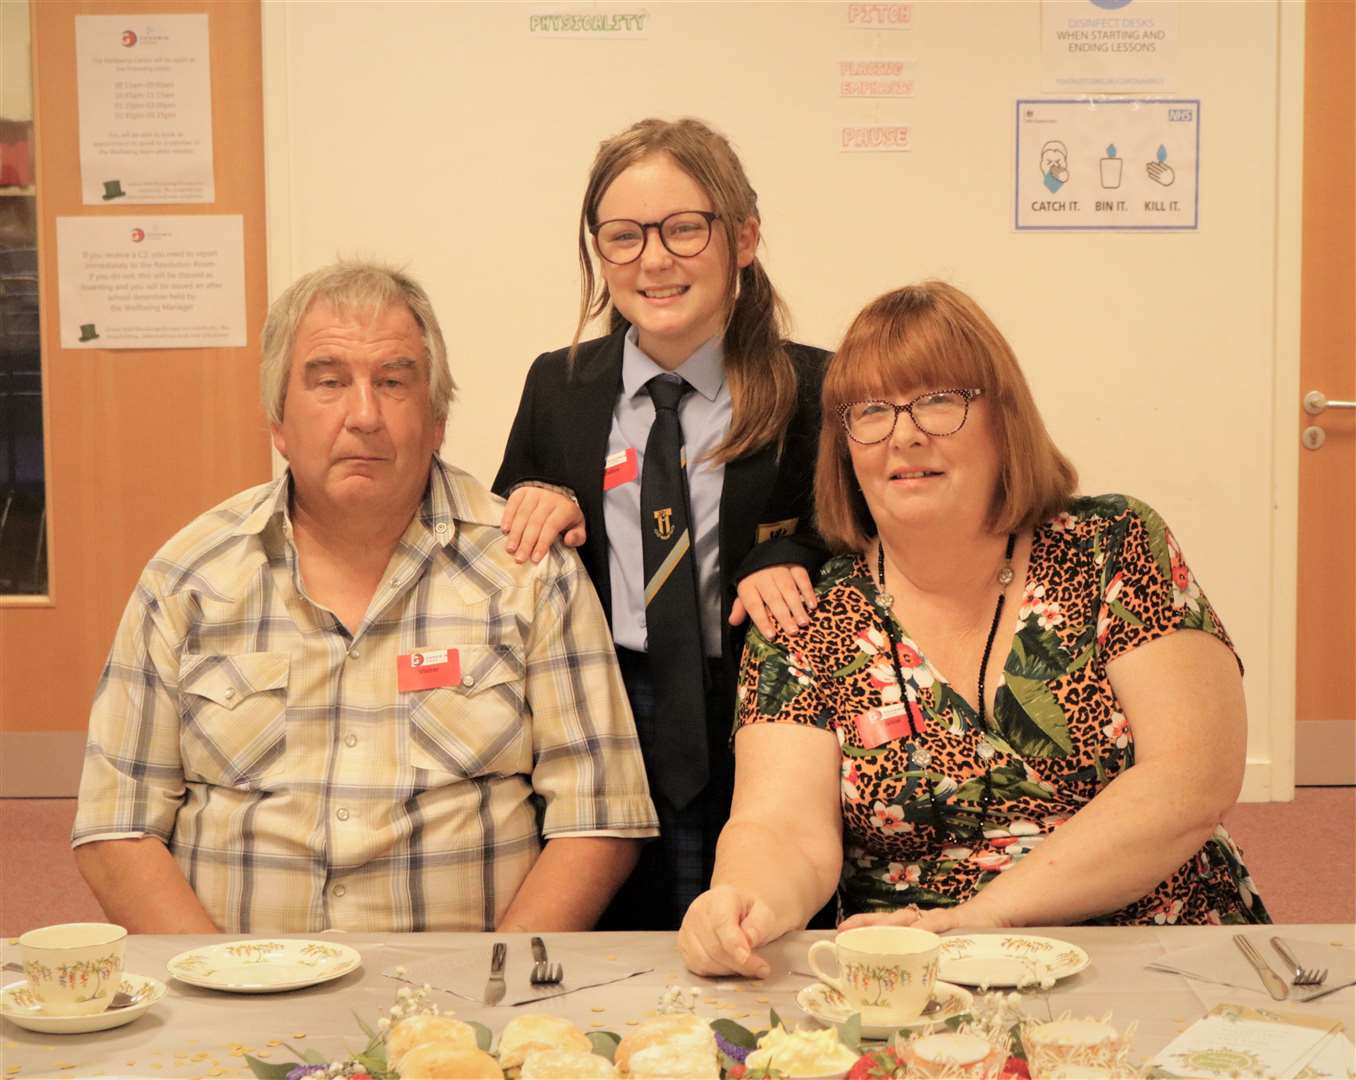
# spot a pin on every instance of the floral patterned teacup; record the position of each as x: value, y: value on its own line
x: 74, y: 969
x: 886, y: 973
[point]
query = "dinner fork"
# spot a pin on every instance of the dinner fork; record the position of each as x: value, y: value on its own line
x: 1312, y: 977
x: 544, y: 973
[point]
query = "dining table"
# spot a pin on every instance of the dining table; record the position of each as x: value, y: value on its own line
x: 194, y: 1031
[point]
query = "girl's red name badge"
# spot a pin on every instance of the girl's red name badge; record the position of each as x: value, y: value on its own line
x: 619, y: 468
x: 876, y: 727
x: 428, y: 670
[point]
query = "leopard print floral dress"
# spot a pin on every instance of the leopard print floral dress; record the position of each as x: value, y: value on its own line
x: 934, y: 813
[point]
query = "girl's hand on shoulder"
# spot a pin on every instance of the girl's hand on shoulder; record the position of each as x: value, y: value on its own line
x: 722, y: 929
x: 776, y: 597
x: 536, y: 517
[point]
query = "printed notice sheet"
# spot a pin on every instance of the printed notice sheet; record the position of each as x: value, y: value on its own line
x: 1108, y: 164
x: 130, y: 282
x: 145, y: 90
x: 1109, y: 46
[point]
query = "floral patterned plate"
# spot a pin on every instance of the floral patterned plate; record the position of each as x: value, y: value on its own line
x: 20, y: 1006
x: 828, y: 1006
x: 1021, y: 960
x: 264, y: 966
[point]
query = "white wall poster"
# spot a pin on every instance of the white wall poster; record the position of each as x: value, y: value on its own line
x: 153, y: 282
x: 1109, y: 46
x: 1119, y: 164
x: 145, y: 89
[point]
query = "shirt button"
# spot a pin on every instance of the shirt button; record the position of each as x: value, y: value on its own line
x: 441, y: 528
x: 339, y: 890
x: 230, y: 693
x: 350, y: 739
x: 467, y: 681
x: 353, y: 653
x: 395, y: 582
x: 341, y: 814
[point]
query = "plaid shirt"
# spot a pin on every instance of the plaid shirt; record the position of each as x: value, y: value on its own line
x: 296, y: 786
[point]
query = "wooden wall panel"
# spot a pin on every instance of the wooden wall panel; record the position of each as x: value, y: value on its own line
x: 138, y: 441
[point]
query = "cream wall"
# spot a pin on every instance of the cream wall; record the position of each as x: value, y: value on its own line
x: 443, y: 137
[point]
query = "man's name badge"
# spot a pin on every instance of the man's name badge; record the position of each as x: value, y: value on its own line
x: 619, y: 468
x: 875, y: 727
x: 428, y: 670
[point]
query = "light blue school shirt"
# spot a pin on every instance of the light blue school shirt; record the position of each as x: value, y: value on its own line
x: 705, y: 417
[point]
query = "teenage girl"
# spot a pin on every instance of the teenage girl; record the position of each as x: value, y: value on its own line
x: 668, y: 248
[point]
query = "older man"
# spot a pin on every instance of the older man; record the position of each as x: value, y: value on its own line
x: 334, y: 700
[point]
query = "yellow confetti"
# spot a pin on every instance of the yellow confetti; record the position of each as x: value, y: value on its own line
x: 599, y: 1008
x: 761, y: 1000
x: 274, y: 1042
x: 632, y: 1023
x: 201, y: 1055
x: 595, y: 1025
x: 217, y: 1072
x: 298, y: 1034
x: 612, y: 956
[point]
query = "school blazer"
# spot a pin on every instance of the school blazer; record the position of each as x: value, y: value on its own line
x: 560, y: 436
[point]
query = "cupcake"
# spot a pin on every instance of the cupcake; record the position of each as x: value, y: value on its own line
x: 952, y: 1054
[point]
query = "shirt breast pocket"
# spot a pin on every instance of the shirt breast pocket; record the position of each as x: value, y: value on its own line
x: 479, y: 727
x: 233, y: 716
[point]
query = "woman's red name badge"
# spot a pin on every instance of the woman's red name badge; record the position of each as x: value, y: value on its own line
x: 876, y: 727
x: 619, y: 468
x: 428, y: 669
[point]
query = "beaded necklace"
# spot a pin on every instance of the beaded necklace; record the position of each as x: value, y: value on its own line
x: 886, y: 601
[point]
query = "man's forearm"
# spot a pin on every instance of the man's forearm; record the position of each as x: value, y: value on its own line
x: 139, y: 886
x: 571, y: 883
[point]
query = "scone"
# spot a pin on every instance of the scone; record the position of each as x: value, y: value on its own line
x: 565, y: 1065
x: 426, y: 1028
x: 446, y: 1061
x: 538, y: 1031
x: 674, y: 1045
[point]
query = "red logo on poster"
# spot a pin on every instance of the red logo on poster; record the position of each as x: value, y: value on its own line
x: 128, y: 39
x: 138, y: 235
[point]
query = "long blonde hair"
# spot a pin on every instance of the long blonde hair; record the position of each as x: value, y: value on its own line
x: 761, y: 376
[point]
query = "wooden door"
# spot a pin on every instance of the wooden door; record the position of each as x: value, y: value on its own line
x: 1325, y: 692
x: 139, y: 442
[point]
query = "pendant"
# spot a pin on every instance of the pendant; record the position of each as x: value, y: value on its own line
x: 885, y: 599
x: 1005, y: 575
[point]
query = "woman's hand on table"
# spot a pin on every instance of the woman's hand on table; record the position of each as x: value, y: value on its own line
x: 967, y: 916
x: 780, y: 596
x: 536, y: 517
x: 722, y: 929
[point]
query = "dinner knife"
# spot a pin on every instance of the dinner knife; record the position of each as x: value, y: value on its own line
x: 495, y: 988
x: 1275, y: 985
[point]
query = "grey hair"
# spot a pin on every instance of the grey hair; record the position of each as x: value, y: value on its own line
x: 351, y: 288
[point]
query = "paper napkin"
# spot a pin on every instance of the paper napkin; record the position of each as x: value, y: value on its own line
x: 1242, y: 1041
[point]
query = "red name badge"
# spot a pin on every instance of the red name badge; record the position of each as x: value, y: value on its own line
x: 875, y: 727
x: 619, y: 468
x: 428, y: 669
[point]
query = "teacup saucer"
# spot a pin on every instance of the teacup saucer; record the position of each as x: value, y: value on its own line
x: 18, y: 1004
x: 827, y: 1006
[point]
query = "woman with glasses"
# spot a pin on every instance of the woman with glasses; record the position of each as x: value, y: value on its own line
x: 994, y: 717
x: 677, y: 454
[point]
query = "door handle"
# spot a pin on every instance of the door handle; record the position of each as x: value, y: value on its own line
x: 1315, y: 401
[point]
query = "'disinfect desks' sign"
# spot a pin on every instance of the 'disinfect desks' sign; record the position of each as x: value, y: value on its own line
x: 1113, y: 164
